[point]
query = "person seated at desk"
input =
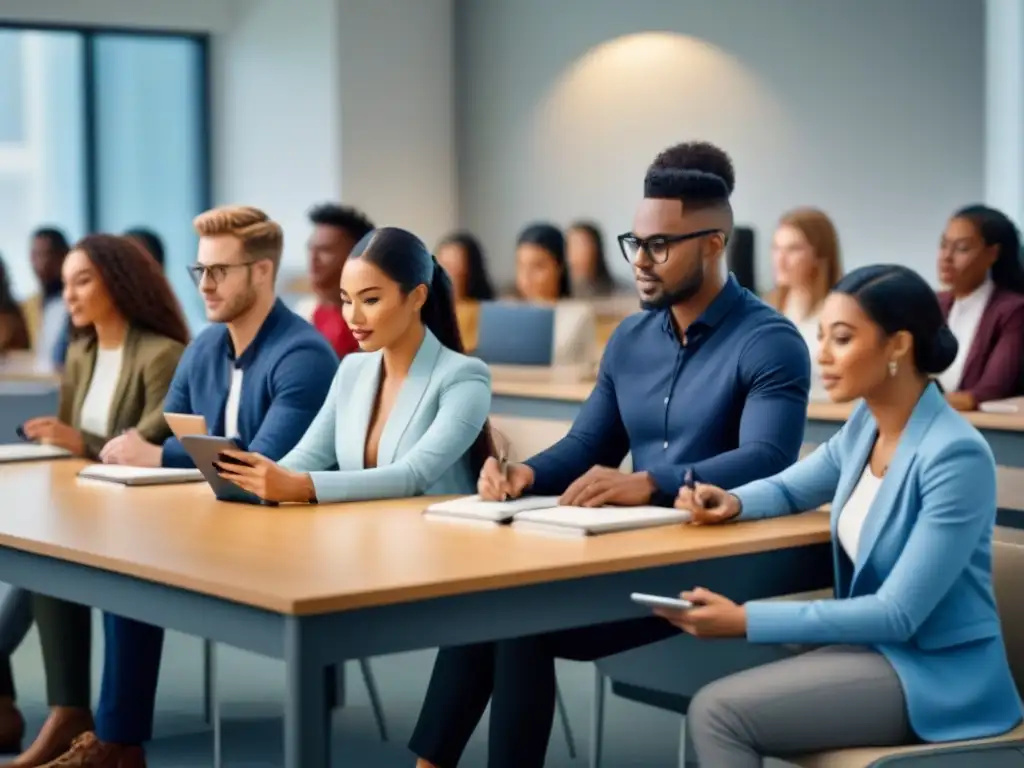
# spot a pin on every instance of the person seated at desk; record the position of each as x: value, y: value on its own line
x: 589, y: 277
x: 462, y: 257
x: 129, y: 334
x: 910, y: 649
x: 708, y: 382
x: 805, y: 258
x: 336, y: 229
x: 422, y: 403
x: 44, y: 312
x: 13, y: 329
x: 979, y: 261
x: 542, y: 277
x: 260, y: 373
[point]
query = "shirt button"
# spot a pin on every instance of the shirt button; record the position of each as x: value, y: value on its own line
x: 665, y: 445
x: 666, y: 401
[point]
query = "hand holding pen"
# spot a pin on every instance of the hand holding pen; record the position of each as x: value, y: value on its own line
x: 707, y: 504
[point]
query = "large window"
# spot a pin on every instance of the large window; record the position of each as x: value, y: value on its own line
x: 103, y: 131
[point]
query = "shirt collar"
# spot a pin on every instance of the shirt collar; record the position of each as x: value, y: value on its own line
x: 979, y: 296
x: 277, y: 312
x: 713, y: 314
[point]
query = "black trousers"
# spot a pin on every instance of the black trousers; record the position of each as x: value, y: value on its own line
x: 518, y: 677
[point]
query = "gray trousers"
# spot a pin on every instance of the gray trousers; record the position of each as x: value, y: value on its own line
x: 832, y: 697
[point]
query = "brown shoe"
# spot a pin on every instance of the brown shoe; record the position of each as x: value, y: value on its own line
x: 12, y: 728
x: 58, y: 733
x: 89, y: 752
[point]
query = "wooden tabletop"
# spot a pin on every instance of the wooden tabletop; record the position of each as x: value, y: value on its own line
x: 23, y: 366
x: 308, y: 560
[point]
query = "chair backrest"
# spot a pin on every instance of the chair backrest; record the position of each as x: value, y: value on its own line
x: 1008, y: 580
x: 511, y: 333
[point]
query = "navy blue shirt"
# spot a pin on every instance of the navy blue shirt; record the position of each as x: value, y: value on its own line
x: 727, y: 401
x: 288, y: 370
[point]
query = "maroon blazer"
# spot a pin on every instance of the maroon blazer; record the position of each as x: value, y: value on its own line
x: 993, y: 370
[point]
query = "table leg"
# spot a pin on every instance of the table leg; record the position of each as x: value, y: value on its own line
x: 307, y: 730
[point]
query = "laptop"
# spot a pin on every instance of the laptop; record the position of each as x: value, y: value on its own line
x: 510, y: 333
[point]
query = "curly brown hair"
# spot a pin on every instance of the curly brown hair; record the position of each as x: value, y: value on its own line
x: 136, y: 285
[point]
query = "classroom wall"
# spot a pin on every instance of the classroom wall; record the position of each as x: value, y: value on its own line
x: 872, y: 110
x: 348, y: 100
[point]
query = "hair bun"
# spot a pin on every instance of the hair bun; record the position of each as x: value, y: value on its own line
x: 941, y: 352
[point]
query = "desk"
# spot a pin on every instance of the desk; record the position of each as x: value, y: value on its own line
x: 317, y: 586
x: 561, y: 401
x: 26, y: 391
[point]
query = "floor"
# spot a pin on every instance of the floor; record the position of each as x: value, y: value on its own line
x: 251, y: 693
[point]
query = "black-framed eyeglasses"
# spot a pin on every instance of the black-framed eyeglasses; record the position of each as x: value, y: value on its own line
x: 657, y: 247
x: 217, y: 272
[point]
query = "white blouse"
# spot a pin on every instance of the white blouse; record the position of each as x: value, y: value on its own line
x: 855, y: 511
x: 95, y: 415
x: 964, y: 318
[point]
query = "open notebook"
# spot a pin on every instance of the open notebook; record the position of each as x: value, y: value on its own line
x: 542, y: 514
x: 31, y: 452
x: 1009, y: 405
x: 117, y: 473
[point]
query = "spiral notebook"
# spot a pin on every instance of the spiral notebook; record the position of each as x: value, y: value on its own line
x: 542, y: 514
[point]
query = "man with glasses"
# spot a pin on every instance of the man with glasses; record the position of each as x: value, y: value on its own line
x: 708, y: 385
x: 260, y: 375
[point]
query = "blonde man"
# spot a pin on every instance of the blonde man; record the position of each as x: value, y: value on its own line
x: 259, y: 375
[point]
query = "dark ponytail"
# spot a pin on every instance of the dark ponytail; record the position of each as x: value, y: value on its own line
x: 996, y: 228
x: 405, y: 259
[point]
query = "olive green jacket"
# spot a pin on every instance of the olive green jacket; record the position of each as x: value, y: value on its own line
x: 147, y: 367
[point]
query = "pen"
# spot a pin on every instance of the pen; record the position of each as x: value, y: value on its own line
x: 503, y: 467
x: 688, y: 481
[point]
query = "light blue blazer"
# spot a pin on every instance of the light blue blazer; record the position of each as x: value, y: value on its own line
x: 437, y: 416
x: 921, y: 591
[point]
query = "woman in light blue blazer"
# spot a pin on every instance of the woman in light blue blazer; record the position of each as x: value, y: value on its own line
x: 407, y: 418
x: 910, y: 648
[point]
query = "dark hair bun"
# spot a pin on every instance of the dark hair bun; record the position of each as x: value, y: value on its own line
x: 939, y: 353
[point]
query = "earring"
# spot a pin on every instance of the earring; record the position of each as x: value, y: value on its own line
x: 892, y: 368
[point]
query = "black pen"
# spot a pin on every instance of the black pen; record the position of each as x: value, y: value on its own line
x: 689, y: 483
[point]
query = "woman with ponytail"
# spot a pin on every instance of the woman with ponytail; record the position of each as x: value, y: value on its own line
x: 980, y: 265
x: 407, y: 418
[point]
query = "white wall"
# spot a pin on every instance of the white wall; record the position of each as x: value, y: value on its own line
x: 397, y: 115
x: 277, y: 112
x: 323, y: 100
x: 1004, y: 116
x: 180, y: 15
x: 872, y: 110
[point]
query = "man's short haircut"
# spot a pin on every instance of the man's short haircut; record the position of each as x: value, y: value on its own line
x: 344, y: 217
x: 56, y: 239
x: 262, y: 238
x: 697, y: 173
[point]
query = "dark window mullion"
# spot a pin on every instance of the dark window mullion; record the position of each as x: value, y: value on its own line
x: 89, y: 130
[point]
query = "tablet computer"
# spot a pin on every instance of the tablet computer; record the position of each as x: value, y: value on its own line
x: 183, y: 424
x: 205, y: 450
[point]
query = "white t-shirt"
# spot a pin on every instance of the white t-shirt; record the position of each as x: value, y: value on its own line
x: 231, y: 407
x: 95, y: 415
x: 964, y: 318
x: 808, y: 328
x: 855, y: 511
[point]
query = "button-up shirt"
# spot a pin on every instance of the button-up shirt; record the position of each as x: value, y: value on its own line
x: 726, y: 399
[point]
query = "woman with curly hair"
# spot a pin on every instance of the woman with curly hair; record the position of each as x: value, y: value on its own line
x: 13, y: 329
x: 128, y: 335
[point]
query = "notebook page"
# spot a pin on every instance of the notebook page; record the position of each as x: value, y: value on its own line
x: 27, y: 451
x: 122, y: 473
x: 475, y: 507
x: 605, y: 517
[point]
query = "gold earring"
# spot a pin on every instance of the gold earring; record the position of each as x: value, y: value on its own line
x: 892, y: 368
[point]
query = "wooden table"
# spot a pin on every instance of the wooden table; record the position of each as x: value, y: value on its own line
x: 319, y: 585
